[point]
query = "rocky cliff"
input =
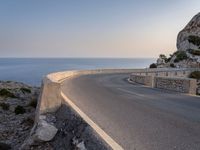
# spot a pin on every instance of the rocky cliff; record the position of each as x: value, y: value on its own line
x: 189, y: 37
x: 188, y: 47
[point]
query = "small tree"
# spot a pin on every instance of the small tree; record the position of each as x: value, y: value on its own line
x: 153, y: 65
x: 162, y: 56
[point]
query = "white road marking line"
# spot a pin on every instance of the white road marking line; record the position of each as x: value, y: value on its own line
x: 137, y: 84
x: 131, y: 92
x: 114, y: 145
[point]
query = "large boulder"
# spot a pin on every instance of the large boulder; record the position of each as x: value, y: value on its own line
x: 189, y: 37
x: 45, y: 131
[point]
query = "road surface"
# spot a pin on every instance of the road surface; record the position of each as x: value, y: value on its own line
x: 137, y: 117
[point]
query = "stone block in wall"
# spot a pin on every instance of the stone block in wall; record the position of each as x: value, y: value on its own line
x: 193, y: 87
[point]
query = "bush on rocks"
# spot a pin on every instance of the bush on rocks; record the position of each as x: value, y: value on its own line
x: 19, y: 110
x: 25, y: 90
x: 194, y: 52
x: 180, y: 55
x: 194, y: 40
x: 6, y: 93
x: 5, y: 106
x: 195, y: 75
x: 163, y: 57
x: 153, y: 65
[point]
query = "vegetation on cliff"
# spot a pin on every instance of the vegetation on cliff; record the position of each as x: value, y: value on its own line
x: 6, y: 93
x: 195, y: 75
x: 194, y: 40
x: 194, y: 52
x: 153, y: 65
x: 180, y: 55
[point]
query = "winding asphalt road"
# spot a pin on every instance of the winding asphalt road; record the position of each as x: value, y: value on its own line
x: 137, y: 117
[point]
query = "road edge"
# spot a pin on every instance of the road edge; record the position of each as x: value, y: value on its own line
x: 112, y: 143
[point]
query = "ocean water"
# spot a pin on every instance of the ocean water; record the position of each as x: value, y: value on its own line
x: 31, y: 70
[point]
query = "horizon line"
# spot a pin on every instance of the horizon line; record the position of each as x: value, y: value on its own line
x: 81, y: 57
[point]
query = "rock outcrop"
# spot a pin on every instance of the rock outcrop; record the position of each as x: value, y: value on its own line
x: 188, y: 41
x: 189, y: 37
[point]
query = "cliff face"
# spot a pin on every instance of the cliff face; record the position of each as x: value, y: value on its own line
x: 189, y: 37
x: 188, y: 47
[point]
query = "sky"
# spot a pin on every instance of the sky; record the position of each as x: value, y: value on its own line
x: 92, y: 28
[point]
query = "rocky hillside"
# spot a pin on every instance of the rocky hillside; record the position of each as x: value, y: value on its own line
x: 17, y: 109
x: 17, y: 115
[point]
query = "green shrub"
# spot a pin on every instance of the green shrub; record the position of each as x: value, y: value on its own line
x: 33, y: 103
x: 195, y: 75
x: 180, y: 55
x: 194, y: 40
x: 5, y: 106
x: 194, y: 52
x: 25, y: 90
x: 19, y: 110
x: 172, y: 65
x: 153, y: 65
x: 6, y: 93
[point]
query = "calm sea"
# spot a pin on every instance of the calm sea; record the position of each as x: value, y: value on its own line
x: 31, y: 70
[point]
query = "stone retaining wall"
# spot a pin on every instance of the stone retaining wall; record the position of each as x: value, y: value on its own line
x: 179, y: 84
x: 198, y: 87
x: 166, y: 72
x: 141, y: 79
x: 183, y: 85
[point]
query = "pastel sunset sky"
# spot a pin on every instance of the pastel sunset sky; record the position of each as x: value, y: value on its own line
x: 92, y: 28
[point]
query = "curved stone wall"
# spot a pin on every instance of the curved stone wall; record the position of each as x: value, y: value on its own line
x: 50, y: 98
